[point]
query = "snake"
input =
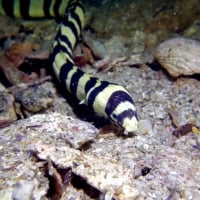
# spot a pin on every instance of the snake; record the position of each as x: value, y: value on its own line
x: 106, y: 99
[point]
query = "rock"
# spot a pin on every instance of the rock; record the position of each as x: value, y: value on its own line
x: 21, y: 175
x: 113, y: 179
x: 179, y: 56
x: 7, y: 111
x: 145, y: 126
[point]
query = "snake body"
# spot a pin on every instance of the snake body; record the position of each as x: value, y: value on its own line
x: 104, y: 98
x: 29, y: 9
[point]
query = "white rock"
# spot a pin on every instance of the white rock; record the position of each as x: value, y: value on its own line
x: 179, y: 56
x: 144, y: 126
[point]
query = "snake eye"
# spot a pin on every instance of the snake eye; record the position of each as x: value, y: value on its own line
x: 114, y: 116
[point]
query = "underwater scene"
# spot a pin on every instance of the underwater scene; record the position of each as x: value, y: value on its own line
x: 99, y: 99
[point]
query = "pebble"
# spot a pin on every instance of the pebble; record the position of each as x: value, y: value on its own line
x: 144, y: 126
x: 179, y: 56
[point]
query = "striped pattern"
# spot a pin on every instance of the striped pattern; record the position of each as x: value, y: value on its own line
x: 29, y: 9
x: 104, y: 98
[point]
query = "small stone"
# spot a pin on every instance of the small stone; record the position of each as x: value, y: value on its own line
x: 23, y: 190
x: 179, y: 56
x: 144, y: 126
